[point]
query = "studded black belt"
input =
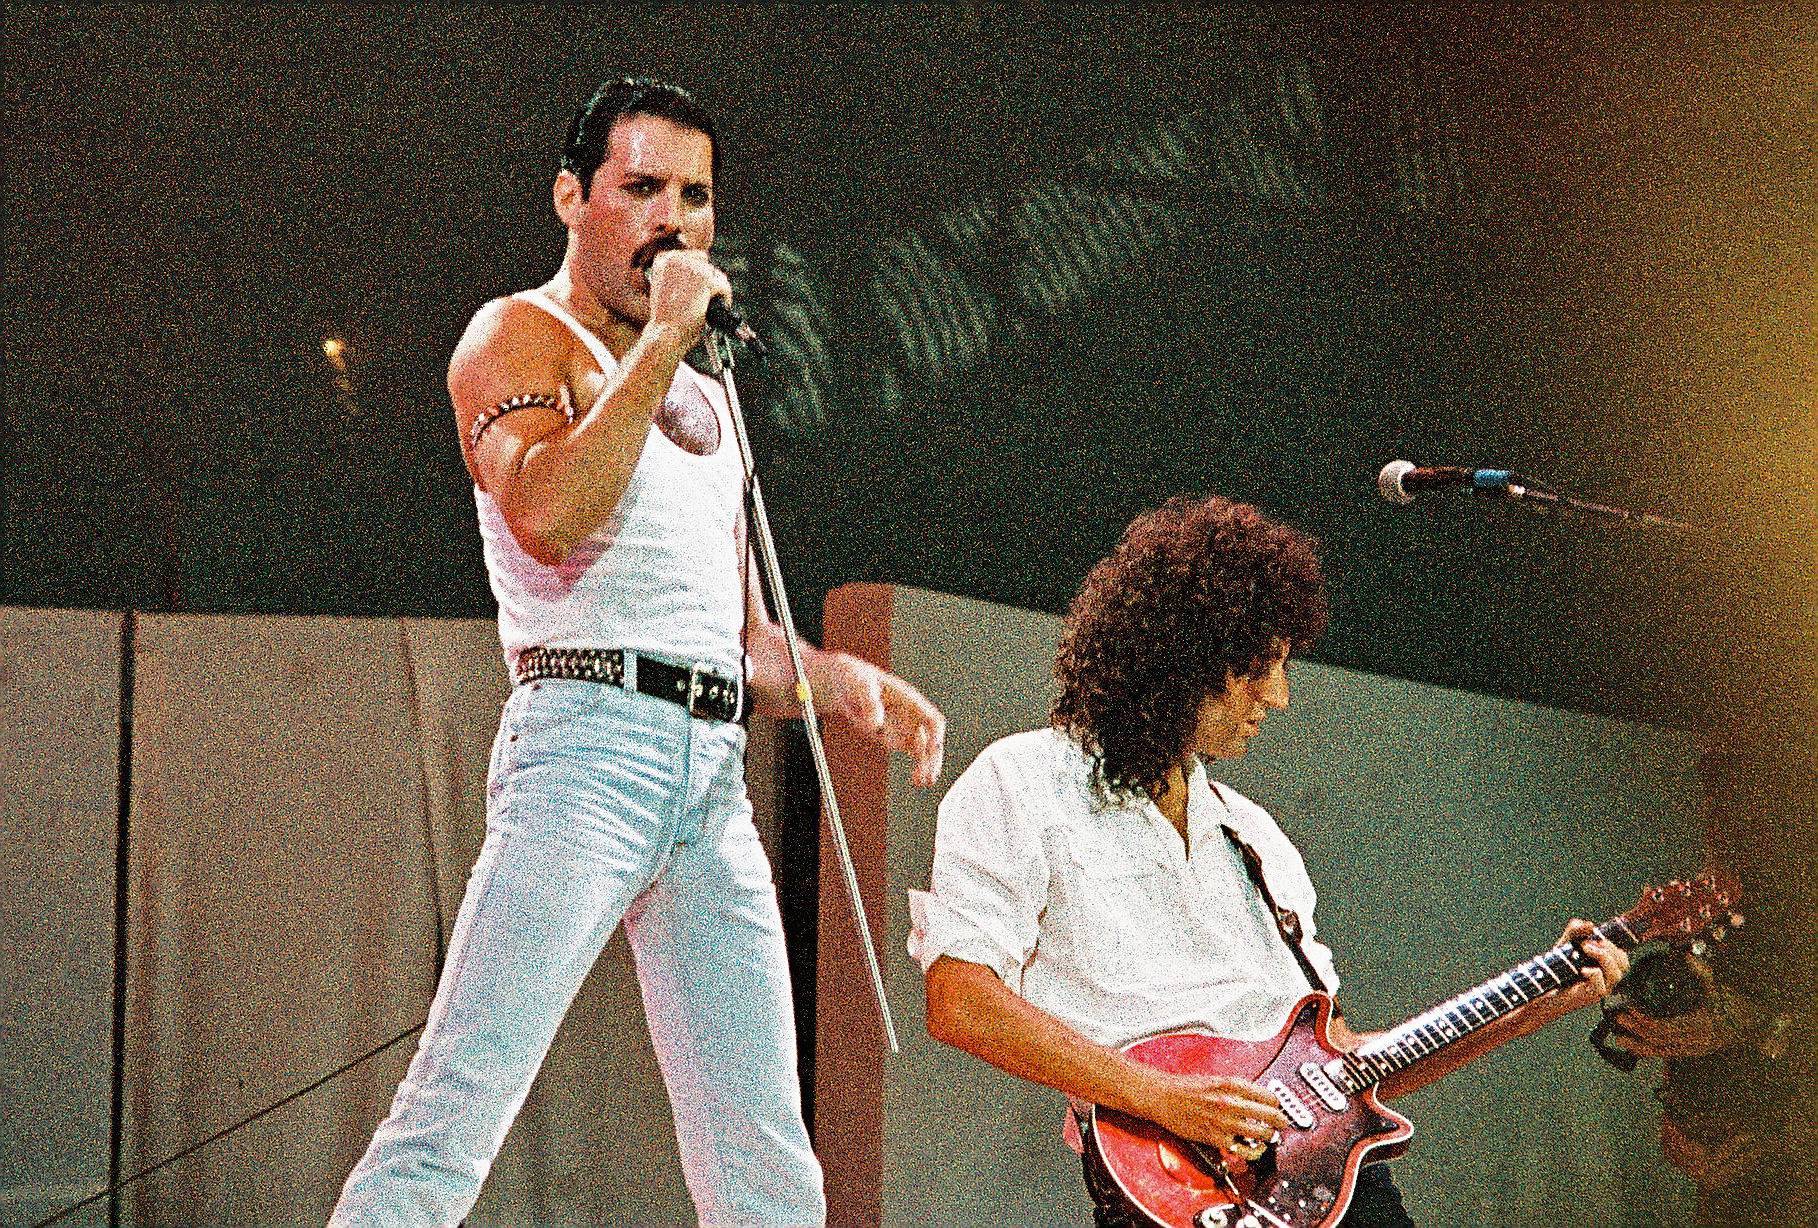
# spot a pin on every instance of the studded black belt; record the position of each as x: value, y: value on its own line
x: 702, y: 691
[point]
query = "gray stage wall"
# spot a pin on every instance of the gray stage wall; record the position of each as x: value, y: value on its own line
x: 306, y: 799
x: 304, y: 804
x: 1450, y: 835
x: 59, y: 744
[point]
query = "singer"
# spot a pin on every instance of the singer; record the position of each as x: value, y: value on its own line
x: 1093, y: 884
x: 610, y: 509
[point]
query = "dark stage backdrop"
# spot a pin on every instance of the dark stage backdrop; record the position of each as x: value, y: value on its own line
x: 1028, y: 271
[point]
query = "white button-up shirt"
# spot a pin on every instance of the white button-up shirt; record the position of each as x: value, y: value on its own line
x: 1099, y: 914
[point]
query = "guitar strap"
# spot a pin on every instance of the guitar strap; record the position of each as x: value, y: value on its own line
x: 1287, y: 921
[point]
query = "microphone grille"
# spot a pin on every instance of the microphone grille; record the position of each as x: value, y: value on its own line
x: 1388, y: 482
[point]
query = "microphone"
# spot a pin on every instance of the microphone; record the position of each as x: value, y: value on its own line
x: 725, y: 318
x: 1401, y: 480
x: 722, y: 316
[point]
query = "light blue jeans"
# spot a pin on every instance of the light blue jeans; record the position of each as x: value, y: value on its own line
x: 605, y: 804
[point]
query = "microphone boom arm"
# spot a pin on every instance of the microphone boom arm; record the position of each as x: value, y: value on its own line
x: 1549, y: 500
x: 1399, y: 480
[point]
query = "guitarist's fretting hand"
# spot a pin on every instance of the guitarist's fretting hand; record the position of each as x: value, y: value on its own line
x: 1609, y: 964
x: 1211, y: 1108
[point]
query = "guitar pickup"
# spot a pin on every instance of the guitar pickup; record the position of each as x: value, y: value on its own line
x: 1341, y: 1077
x: 1323, y: 1087
x: 1297, y: 1111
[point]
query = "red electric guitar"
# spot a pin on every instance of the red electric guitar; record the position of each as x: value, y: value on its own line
x: 1305, y: 1178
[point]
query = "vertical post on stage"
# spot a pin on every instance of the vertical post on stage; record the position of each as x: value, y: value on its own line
x: 720, y: 361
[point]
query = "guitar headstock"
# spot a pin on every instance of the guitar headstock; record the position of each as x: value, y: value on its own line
x: 1685, y: 908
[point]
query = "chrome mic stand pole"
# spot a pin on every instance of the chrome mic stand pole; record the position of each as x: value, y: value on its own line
x: 719, y: 357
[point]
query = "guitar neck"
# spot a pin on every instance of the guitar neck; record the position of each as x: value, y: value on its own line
x: 1456, y: 1018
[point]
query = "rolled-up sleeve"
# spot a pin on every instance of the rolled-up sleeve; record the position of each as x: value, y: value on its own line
x: 989, y: 883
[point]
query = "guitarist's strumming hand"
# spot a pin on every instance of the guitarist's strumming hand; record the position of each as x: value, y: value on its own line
x: 1213, y: 1109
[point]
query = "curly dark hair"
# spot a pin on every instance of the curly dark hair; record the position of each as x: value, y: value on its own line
x: 1198, y: 591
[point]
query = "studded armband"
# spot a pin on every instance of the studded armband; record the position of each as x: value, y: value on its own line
x: 529, y: 400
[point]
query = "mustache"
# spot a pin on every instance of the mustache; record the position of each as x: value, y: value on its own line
x: 647, y: 253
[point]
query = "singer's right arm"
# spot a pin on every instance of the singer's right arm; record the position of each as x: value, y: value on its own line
x: 556, y: 481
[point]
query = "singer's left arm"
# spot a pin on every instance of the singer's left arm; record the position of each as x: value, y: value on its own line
x: 884, y: 709
x: 1608, y: 964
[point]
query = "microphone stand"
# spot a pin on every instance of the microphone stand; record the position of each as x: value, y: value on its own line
x: 720, y: 363
x: 1542, y: 500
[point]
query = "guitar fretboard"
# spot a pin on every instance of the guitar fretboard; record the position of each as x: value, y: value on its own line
x: 1455, y: 1018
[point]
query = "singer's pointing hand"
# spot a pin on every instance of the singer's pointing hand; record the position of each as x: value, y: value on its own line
x: 682, y: 283
x: 884, y: 709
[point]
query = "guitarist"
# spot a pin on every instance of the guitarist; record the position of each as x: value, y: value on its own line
x: 1092, y: 884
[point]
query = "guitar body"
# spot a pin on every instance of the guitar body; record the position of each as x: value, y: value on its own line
x: 1305, y: 1180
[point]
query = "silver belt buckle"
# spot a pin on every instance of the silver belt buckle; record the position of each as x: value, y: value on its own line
x: 696, y: 688
x: 698, y: 681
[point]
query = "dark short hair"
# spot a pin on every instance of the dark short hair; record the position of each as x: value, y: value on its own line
x: 591, y: 128
x: 1198, y: 592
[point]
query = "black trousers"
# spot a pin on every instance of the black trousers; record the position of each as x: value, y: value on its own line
x: 1375, y: 1204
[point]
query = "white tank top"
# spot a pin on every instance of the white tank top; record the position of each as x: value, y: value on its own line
x: 662, y: 576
